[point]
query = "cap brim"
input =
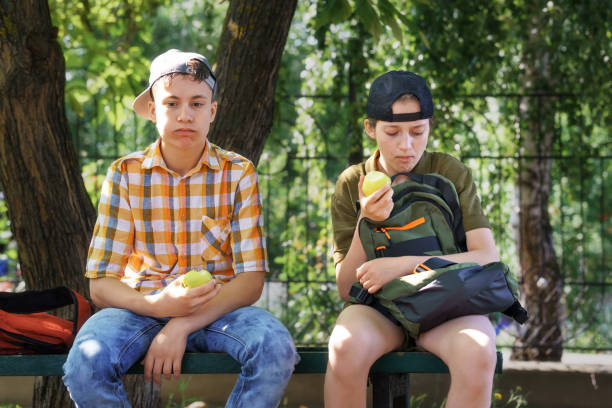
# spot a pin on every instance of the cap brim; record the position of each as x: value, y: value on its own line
x: 141, y: 104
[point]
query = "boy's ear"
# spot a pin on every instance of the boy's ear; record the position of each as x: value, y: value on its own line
x: 369, y: 129
x: 213, y: 111
x: 151, y: 107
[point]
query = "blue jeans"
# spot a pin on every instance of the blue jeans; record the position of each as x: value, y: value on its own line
x: 113, y: 340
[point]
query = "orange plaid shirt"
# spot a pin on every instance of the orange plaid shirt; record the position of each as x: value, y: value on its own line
x: 154, y: 225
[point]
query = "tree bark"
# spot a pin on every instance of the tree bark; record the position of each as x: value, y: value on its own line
x: 542, y: 338
x: 248, y: 60
x: 51, y: 214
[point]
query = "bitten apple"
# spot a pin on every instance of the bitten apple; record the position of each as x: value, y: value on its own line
x: 195, y: 278
x: 373, y: 181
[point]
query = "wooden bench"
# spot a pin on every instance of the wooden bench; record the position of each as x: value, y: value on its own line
x: 389, y: 375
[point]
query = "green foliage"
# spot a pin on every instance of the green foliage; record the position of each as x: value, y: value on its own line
x: 373, y: 16
x: 183, y: 384
x: 515, y: 399
x: 332, y: 11
x: 420, y: 401
x: 8, y: 245
x: 93, y: 176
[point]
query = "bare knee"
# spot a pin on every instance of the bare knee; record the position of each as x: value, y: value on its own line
x: 349, y: 354
x: 472, y: 370
x: 360, y: 336
x: 473, y: 359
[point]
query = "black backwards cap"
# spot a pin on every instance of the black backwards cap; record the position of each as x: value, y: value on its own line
x: 388, y: 87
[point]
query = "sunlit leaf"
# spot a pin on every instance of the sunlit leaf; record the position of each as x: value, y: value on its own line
x: 369, y: 18
x: 389, y: 15
x: 332, y: 11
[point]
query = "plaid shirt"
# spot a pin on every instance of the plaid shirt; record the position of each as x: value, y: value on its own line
x: 154, y: 225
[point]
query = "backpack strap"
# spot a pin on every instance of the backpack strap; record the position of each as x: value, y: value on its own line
x: 432, y: 263
x: 517, y: 312
x: 36, y: 301
x: 437, y: 263
x: 364, y: 297
x: 82, y: 311
x: 33, y: 301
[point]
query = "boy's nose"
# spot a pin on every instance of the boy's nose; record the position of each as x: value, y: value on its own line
x: 185, y: 113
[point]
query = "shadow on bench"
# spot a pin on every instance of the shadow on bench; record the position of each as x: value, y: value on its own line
x: 389, y: 374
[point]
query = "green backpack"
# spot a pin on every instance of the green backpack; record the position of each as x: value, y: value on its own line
x: 426, y: 220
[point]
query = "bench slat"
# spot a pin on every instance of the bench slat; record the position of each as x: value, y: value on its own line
x: 313, y: 360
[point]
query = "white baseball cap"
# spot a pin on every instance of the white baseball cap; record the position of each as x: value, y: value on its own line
x: 170, y: 62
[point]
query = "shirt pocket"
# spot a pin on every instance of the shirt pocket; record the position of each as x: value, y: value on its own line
x: 215, y: 238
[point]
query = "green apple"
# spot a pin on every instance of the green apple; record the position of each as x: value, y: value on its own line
x: 193, y: 278
x: 373, y: 181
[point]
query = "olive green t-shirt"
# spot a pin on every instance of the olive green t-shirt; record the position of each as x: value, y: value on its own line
x: 346, y: 195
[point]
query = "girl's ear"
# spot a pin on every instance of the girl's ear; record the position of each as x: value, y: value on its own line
x: 371, y: 131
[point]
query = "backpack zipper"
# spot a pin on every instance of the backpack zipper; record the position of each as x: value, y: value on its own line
x: 410, y: 225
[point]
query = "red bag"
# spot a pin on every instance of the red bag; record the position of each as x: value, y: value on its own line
x: 26, y: 329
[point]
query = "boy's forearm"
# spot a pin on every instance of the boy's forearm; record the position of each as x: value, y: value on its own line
x: 111, y: 292
x: 244, y: 290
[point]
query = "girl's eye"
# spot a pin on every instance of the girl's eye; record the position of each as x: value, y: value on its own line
x: 198, y: 104
x: 171, y: 104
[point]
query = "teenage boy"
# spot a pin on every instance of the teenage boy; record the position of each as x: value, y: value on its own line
x: 180, y: 204
x: 399, y: 112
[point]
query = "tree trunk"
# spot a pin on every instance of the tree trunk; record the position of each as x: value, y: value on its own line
x: 248, y: 59
x: 542, y: 290
x: 51, y: 214
x: 542, y: 338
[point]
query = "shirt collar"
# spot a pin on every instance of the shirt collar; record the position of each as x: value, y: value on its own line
x: 152, y: 157
x: 210, y: 157
x: 371, y: 163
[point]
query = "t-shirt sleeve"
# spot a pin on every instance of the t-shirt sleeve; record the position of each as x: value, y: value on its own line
x: 113, y: 234
x: 344, y: 216
x: 471, y: 209
x: 247, y: 226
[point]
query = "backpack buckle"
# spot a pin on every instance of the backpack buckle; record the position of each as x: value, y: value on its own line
x: 361, y: 295
x: 364, y: 297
